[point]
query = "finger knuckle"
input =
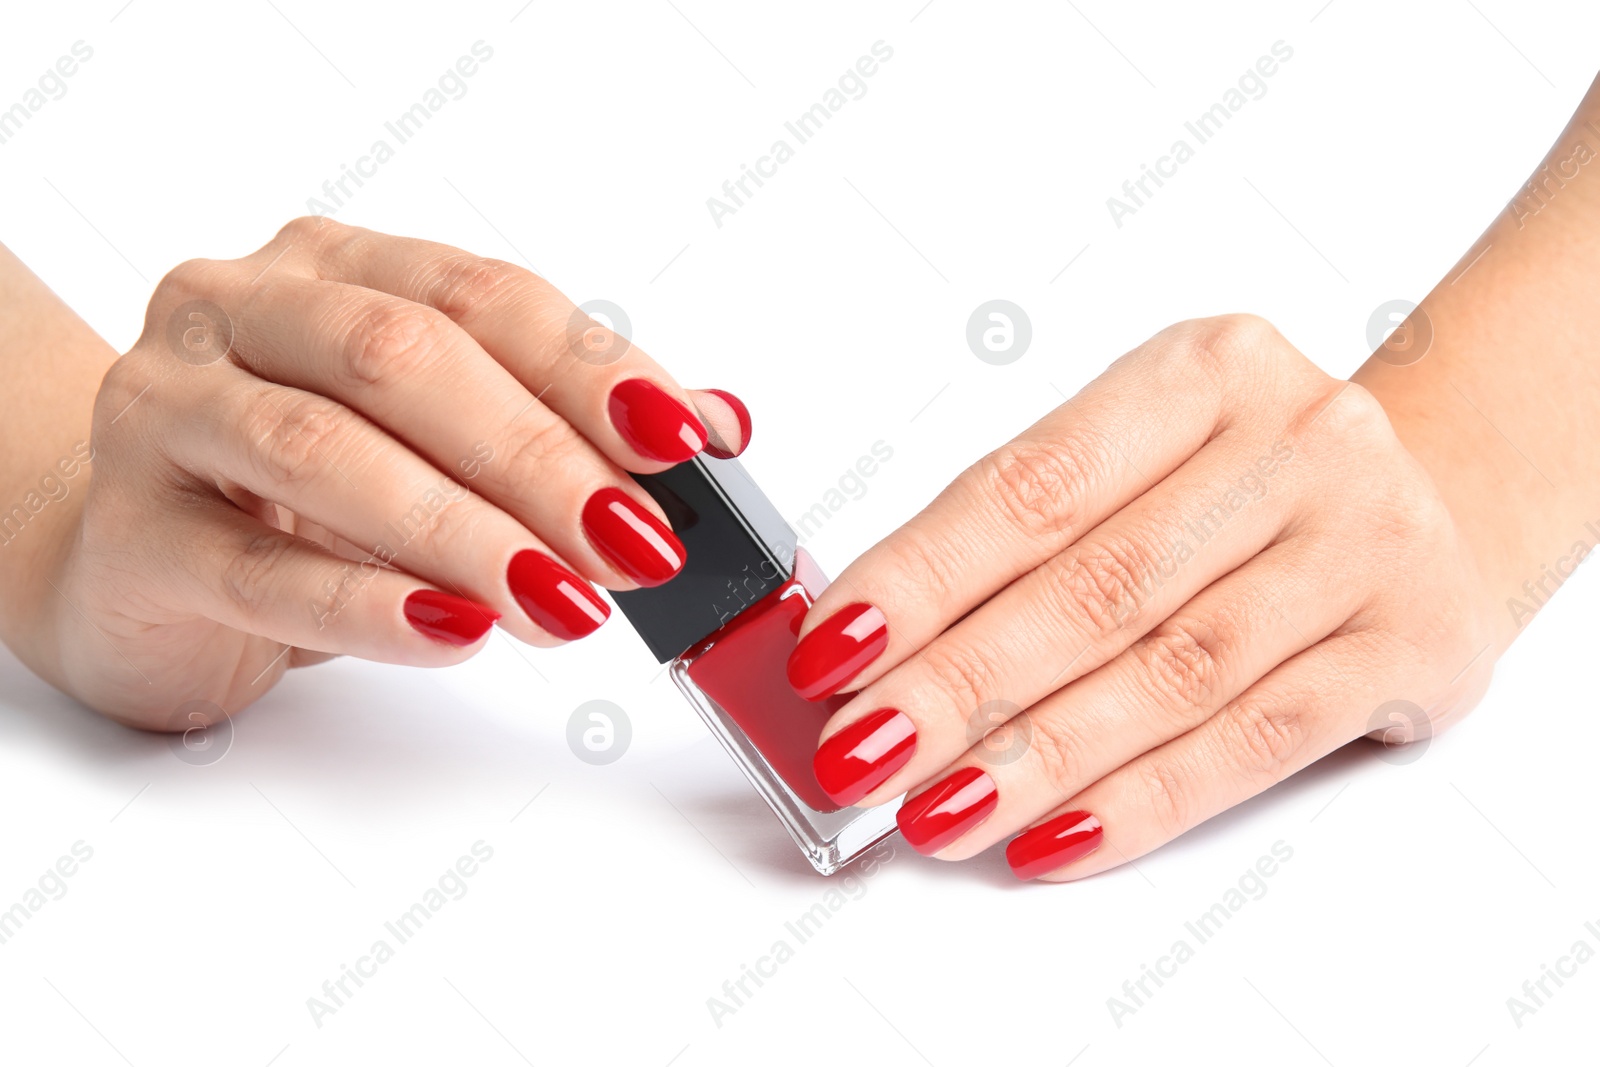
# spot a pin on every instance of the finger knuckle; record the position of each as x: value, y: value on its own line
x: 124, y: 382
x: 310, y: 231
x: 1168, y: 790
x: 1347, y: 413
x: 248, y: 578
x: 1409, y: 513
x: 1180, y: 662
x: 436, y: 526
x: 1266, y: 735
x: 468, y: 285
x: 1232, y: 337
x: 1035, y: 484
x: 1246, y: 327
x: 926, y: 571
x: 536, y: 444
x: 961, y: 672
x: 1105, y: 583
x: 393, y: 341
x: 1222, y: 346
x: 1059, y: 748
x: 293, y: 437
x: 580, y: 337
x: 189, y: 279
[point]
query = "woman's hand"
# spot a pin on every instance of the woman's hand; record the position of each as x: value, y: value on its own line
x: 1212, y: 567
x: 282, y: 467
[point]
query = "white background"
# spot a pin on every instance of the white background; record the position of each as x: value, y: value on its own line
x: 220, y: 897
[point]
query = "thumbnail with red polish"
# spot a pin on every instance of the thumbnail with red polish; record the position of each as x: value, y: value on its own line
x: 933, y: 819
x: 451, y: 619
x: 742, y: 414
x: 636, y: 542
x: 1054, y: 844
x: 837, y: 650
x: 862, y: 756
x: 654, y: 423
x: 552, y: 596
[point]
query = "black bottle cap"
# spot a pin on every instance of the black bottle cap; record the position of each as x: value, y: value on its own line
x: 738, y: 550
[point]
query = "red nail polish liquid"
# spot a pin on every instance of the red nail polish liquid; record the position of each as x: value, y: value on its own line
x: 728, y: 622
x: 740, y: 669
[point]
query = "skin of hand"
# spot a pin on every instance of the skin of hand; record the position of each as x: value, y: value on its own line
x: 343, y: 443
x: 1217, y: 564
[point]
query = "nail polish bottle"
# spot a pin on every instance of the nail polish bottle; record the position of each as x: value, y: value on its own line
x: 727, y: 623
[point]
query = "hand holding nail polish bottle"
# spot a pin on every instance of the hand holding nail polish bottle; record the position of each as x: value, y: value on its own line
x: 728, y: 623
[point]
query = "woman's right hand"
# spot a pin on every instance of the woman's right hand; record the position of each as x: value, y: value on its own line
x: 352, y: 443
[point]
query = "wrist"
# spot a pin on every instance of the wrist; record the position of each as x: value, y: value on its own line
x: 1518, y: 526
x: 1493, y: 385
x: 34, y: 568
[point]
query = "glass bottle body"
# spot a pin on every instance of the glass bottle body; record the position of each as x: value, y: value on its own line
x: 736, y: 680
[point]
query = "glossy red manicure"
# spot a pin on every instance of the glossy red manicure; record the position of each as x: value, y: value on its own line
x: 654, y: 423
x: 931, y: 820
x: 1055, y: 844
x: 636, y: 542
x: 740, y: 412
x: 837, y: 650
x: 862, y: 756
x: 558, y: 600
x: 451, y: 619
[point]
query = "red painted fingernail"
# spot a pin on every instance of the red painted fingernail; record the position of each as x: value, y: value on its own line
x: 654, y: 423
x: 555, y: 598
x: 715, y: 447
x: 837, y: 650
x: 862, y: 756
x: 636, y: 542
x: 451, y: 619
x: 1055, y: 844
x: 932, y: 819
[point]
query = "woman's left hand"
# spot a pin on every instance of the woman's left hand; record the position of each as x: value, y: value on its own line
x: 1212, y: 567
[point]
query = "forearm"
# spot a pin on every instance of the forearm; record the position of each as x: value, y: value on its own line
x: 1503, y: 406
x: 51, y: 364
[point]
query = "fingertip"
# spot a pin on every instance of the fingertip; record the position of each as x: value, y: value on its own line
x: 855, y: 760
x: 832, y: 653
x: 448, y: 619
x: 654, y: 423
x: 1053, y: 845
x: 554, y: 597
x: 638, y: 545
x: 727, y: 422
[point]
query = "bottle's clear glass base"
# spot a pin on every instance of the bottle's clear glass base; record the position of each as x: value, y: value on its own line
x: 829, y: 839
